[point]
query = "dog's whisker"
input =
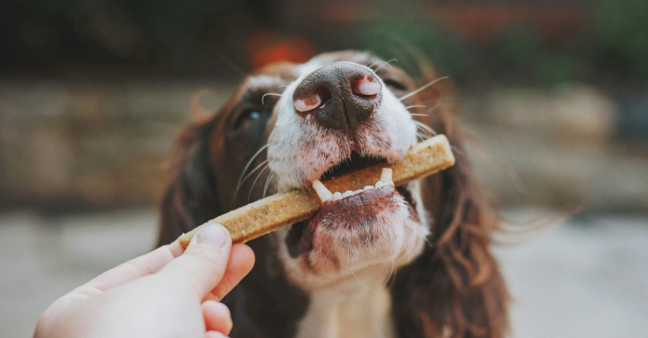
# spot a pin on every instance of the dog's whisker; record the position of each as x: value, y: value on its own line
x: 385, y: 63
x: 427, y: 240
x: 425, y: 126
x: 256, y: 179
x: 374, y: 63
x: 266, y: 94
x: 229, y: 64
x: 393, y: 279
x: 358, y: 257
x: 416, y: 106
x: 436, y: 105
x: 238, y: 186
x: 391, y: 272
x: 250, y: 162
x: 361, y: 284
x: 380, y: 62
x: 423, y: 137
x: 424, y: 131
x: 457, y: 150
x: 420, y: 114
x: 403, y: 249
x: 267, y: 183
x: 423, y: 87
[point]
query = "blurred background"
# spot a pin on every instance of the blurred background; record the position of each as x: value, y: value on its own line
x: 554, y: 96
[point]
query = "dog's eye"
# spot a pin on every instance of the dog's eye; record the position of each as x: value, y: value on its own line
x: 394, y: 85
x: 247, y: 117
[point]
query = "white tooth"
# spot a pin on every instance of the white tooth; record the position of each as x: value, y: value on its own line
x: 347, y: 193
x: 358, y: 191
x: 323, y: 193
x: 386, y: 176
x: 379, y: 184
x: 337, y: 195
x: 368, y: 187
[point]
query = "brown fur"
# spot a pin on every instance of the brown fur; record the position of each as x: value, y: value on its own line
x: 454, y: 287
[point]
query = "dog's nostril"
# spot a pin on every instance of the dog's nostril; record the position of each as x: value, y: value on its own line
x: 365, y: 86
x: 339, y: 96
x: 313, y: 101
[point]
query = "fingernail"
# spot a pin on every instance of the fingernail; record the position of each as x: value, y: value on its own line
x: 214, y: 235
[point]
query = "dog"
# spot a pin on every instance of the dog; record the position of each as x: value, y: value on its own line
x: 412, y: 262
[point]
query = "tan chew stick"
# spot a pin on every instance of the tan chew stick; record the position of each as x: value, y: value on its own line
x: 272, y: 213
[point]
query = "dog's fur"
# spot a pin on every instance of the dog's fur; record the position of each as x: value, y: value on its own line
x: 439, y: 280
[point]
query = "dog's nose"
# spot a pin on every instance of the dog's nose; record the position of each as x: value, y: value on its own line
x: 340, y: 96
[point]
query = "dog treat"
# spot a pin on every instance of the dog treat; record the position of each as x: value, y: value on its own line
x: 274, y: 212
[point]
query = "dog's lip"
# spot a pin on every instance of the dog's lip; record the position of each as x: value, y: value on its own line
x: 362, y: 199
x: 300, y: 236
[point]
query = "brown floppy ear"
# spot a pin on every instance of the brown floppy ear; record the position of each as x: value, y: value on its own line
x: 454, y: 289
x: 190, y: 198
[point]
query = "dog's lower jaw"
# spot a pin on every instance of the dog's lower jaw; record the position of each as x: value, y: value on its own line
x: 355, y: 302
x: 356, y: 307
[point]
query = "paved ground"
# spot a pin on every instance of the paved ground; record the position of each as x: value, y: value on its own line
x: 588, y: 278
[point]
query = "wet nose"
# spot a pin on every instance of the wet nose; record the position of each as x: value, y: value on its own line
x: 338, y: 96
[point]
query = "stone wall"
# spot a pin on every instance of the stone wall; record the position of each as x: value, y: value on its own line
x: 560, y: 148
x: 90, y: 144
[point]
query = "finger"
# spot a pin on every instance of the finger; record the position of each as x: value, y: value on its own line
x: 202, y: 265
x: 217, y: 317
x: 136, y: 268
x: 214, y: 334
x: 240, y: 263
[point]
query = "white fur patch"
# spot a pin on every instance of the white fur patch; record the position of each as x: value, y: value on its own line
x: 356, y: 307
x: 300, y: 151
x: 345, y: 276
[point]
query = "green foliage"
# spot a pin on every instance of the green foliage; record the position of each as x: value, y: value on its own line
x: 557, y: 69
x: 622, y: 34
x: 166, y: 33
x: 406, y: 41
x: 171, y: 36
x: 519, y: 45
x: 522, y: 51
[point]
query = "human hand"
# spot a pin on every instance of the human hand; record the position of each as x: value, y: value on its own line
x: 165, y: 293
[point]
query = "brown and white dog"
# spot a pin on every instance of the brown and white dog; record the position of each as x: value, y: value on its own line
x: 411, y: 261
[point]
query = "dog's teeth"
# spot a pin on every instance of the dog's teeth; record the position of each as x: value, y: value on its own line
x: 337, y: 195
x: 323, y: 193
x: 368, y: 187
x: 347, y: 193
x: 386, y: 176
x: 358, y: 191
x: 379, y: 184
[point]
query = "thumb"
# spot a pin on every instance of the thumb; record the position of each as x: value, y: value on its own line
x: 202, y: 266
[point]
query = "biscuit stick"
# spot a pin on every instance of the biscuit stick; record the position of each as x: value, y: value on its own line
x: 277, y: 211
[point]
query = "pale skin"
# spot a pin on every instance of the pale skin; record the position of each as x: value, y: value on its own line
x: 165, y: 293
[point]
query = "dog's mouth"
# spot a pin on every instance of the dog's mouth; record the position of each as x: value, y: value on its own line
x: 354, y: 162
x: 346, y: 212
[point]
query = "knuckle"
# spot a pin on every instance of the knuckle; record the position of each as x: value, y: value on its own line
x: 212, y: 261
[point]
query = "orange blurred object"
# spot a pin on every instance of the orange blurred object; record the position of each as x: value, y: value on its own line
x: 265, y: 48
